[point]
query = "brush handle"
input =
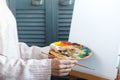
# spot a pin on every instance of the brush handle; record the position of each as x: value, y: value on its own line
x: 84, y: 66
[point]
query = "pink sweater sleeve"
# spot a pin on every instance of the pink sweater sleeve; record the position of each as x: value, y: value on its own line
x: 33, y: 52
x: 31, y: 66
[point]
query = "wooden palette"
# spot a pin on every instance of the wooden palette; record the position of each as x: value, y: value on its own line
x: 69, y: 49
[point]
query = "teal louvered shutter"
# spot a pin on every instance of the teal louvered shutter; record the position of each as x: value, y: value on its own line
x: 41, y: 25
x: 31, y: 22
x: 62, y: 20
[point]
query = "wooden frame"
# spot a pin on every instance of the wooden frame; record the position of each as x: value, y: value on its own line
x: 118, y: 77
x: 77, y: 74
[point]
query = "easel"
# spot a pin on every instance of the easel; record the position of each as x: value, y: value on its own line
x: 118, y: 77
x: 77, y: 74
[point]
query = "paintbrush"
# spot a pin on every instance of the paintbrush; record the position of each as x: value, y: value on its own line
x: 72, y: 58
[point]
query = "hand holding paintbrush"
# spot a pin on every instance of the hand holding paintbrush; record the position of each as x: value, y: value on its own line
x: 54, y: 55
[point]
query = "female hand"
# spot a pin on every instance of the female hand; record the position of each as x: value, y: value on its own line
x: 62, y: 66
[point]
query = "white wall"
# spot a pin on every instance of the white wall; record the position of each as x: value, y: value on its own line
x: 96, y: 24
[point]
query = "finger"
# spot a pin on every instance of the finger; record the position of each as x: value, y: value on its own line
x: 63, y: 67
x: 60, y: 74
x: 68, y: 61
x: 74, y: 61
x: 51, y: 56
x: 62, y: 70
x: 65, y: 70
x: 64, y: 74
x: 65, y: 60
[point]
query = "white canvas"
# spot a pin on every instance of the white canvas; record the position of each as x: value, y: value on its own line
x: 96, y: 24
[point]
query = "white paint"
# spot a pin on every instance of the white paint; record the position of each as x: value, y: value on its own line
x: 96, y: 24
